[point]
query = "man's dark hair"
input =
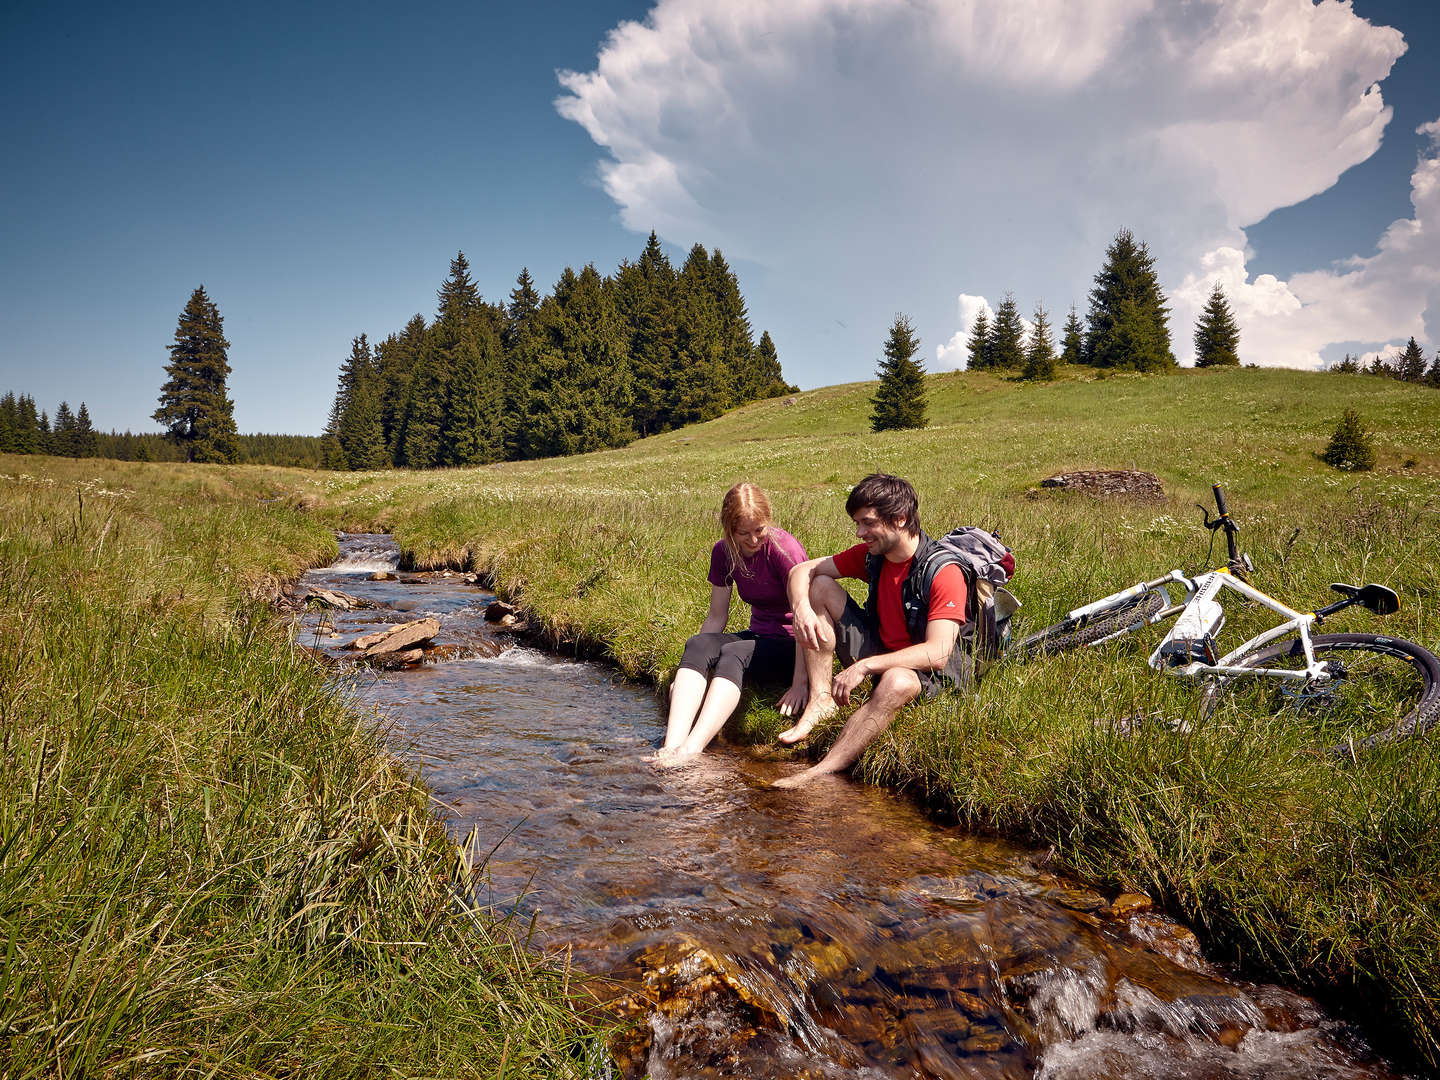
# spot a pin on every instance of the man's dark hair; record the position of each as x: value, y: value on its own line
x: 890, y: 497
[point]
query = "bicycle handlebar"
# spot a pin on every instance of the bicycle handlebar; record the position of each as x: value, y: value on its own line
x: 1228, y: 525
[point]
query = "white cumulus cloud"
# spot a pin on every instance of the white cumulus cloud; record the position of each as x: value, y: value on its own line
x: 1372, y: 300
x: 875, y: 156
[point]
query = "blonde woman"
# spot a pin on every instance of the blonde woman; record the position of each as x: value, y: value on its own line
x: 755, y: 557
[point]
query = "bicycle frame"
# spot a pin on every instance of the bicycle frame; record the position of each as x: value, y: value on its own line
x: 1201, y: 588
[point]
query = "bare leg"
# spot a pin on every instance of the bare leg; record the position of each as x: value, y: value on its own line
x: 720, y: 702
x: 686, y: 694
x: 827, y: 597
x: 893, y: 690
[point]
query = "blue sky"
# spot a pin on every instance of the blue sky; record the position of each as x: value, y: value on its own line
x: 316, y: 168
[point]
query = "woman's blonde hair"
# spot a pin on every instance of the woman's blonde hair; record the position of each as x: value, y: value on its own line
x: 743, y: 502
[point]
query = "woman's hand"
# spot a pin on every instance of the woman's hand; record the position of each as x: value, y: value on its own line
x: 792, y: 702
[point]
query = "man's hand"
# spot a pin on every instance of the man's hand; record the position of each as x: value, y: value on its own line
x: 848, y: 680
x: 808, y: 626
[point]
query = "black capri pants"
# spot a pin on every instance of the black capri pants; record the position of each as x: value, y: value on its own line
x: 733, y: 656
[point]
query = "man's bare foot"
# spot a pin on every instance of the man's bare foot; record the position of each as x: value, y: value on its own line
x: 821, y: 707
x: 800, y: 779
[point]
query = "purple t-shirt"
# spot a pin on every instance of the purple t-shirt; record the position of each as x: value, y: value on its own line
x: 761, y: 581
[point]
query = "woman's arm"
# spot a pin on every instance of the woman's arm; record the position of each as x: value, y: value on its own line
x: 719, y: 613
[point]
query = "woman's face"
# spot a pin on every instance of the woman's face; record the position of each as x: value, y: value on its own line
x: 750, y: 535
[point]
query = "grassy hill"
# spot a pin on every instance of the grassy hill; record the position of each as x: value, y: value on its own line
x: 1288, y: 863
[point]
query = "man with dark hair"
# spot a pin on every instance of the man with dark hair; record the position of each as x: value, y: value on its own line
x: 905, y: 637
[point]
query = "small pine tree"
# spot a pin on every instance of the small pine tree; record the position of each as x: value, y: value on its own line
x: 899, y: 401
x: 1072, y: 348
x: 978, y: 344
x: 1216, y: 335
x: 1350, y: 446
x: 1040, y: 350
x: 1348, y: 366
x: 1432, y: 378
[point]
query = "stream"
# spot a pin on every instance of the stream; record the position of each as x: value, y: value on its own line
x: 826, y: 933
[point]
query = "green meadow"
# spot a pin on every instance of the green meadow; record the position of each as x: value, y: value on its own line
x: 159, y: 802
x: 210, y: 864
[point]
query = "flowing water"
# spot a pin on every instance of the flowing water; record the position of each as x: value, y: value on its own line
x: 834, y: 932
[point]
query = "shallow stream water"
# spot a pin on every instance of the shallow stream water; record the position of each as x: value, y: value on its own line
x: 827, y: 933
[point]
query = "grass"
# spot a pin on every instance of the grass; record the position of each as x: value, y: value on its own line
x: 209, y: 862
x: 1319, y: 874
x: 1291, y: 865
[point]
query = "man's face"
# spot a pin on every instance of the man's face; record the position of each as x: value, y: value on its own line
x: 879, y: 535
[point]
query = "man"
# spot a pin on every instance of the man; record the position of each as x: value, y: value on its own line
x: 904, y: 638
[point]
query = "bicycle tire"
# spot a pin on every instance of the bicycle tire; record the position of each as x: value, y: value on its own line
x: 1076, y: 634
x: 1389, y: 681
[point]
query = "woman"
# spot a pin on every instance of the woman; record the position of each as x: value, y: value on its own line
x: 755, y: 557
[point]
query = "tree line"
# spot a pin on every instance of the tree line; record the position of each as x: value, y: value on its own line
x: 1126, y: 329
x: 24, y: 429
x: 1407, y: 365
x: 596, y: 363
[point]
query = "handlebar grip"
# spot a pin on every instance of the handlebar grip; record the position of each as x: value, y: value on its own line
x: 1219, y: 500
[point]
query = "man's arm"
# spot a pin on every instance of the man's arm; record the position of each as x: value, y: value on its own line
x: 932, y: 654
x: 807, y: 623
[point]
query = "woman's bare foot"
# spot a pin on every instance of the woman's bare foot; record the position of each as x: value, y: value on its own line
x: 821, y: 707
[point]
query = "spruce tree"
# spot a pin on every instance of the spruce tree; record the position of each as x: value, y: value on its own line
x: 86, y: 441
x: 1410, y: 364
x: 31, y: 434
x: 769, y: 377
x: 356, y: 414
x: 397, y: 359
x: 1347, y: 366
x: 1216, y: 336
x: 1040, y: 350
x: 702, y: 390
x: 9, y: 424
x: 1072, y: 349
x: 194, y: 407
x: 899, y: 401
x: 977, y: 345
x: 645, y: 296
x: 1007, y: 336
x: 1432, y: 378
x: 581, y: 397
x: 1350, y: 446
x: 518, y: 360
x: 1129, y: 322
x: 62, y: 437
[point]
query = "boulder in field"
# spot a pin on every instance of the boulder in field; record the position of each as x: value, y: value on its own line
x: 1108, y: 483
x: 397, y: 638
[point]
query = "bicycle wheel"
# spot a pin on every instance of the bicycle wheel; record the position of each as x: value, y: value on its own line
x: 1075, y: 633
x: 1380, y: 690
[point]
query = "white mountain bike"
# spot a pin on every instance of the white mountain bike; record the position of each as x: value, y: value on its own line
x: 1360, y: 690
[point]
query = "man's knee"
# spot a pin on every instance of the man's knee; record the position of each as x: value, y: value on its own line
x: 897, y: 687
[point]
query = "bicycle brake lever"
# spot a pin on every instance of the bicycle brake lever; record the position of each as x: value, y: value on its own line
x: 1211, y: 525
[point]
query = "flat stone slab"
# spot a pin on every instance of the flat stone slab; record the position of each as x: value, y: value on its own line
x: 397, y: 638
x: 1108, y: 483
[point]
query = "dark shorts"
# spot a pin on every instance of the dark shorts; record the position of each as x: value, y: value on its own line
x: 741, y: 657
x: 856, y: 637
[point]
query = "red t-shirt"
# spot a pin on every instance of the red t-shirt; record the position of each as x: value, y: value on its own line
x: 947, y: 593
